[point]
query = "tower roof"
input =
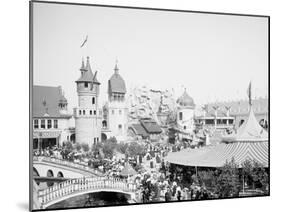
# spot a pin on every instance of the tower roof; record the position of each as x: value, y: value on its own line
x: 185, y: 100
x: 87, y: 74
x: 116, y: 83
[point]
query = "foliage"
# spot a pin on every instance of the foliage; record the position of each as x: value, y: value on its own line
x: 135, y: 149
x: 226, y: 180
x: 85, y: 147
x: 112, y: 140
x: 122, y: 148
x: 78, y: 146
x: 109, y: 147
x: 255, y: 175
x: 206, y: 178
x: 68, y: 147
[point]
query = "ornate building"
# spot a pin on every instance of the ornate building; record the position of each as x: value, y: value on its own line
x: 88, y: 115
x: 51, y: 121
x: 185, y: 113
x: 232, y: 114
x: 115, y: 121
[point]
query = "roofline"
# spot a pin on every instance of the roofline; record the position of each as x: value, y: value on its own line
x: 57, y: 117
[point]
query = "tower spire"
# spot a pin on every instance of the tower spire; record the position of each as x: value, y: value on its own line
x: 83, y: 64
x: 116, y: 69
x: 88, y: 66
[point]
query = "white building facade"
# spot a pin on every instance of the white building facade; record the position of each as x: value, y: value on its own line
x: 185, y: 115
x: 117, y: 117
x: 51, y: 120
x: 88, y: 115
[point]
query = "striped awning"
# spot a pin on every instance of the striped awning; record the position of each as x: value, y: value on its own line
x: 216, y: 156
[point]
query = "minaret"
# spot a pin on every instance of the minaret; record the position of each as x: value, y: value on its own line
x: 117, y: 109
x: 185, y: 112
x: 87, y: 115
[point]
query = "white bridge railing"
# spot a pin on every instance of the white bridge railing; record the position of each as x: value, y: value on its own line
x: 80, y: 185
x: 67, y: 164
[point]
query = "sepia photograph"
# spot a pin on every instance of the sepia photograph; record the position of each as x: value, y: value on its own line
x: 139, y: 105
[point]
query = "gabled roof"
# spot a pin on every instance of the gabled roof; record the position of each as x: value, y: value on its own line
x: 139, y: 130
x: 150, y: 126
x: 46, y: 100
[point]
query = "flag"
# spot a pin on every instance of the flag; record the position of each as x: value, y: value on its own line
x: 84, y: 41
x: 249, y: 93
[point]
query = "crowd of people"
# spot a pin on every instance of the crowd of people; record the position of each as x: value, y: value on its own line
x: 154, y: 182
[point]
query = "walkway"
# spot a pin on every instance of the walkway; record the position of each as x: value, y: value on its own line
x: 75, y: 187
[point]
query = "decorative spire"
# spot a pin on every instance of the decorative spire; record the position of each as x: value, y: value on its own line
x: 88, y: 66
x: 44, y: 103
x: 116, y: 69
x: 83, y: 64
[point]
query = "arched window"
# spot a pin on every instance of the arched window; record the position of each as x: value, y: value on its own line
x: 84, y: 112
x: 86, y: 85
x: 93, y: 100
x: 104, y: 124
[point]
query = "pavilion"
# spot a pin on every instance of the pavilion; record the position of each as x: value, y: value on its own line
x: 250, y: 142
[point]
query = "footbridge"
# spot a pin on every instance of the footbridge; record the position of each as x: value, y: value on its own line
x: 53, y: 167
x: 76, y: 187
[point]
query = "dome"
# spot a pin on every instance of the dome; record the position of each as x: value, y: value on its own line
x: 185, y: 100
x: 116, y: 83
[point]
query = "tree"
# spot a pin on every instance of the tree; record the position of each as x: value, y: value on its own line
x: 206, y: 178
x: 122, y: 148
x: 226, y: 183
x: 135, y: 149
x: 78, y: 146
x: 68, y: 147
x: 108, y: 149
x: 255, y: 174
x: 260, y: 176
x: 112, y: 140
x: 85, y: 147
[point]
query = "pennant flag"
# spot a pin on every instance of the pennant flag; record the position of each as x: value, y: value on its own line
x: 84, y: 41
x: 249, y: 93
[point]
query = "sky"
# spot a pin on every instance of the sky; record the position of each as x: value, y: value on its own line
x: 213, y: 56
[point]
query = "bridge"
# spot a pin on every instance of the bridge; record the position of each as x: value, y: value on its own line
x: 53, y: 167
x: 80, y: 186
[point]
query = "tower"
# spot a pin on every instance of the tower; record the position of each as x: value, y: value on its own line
x: 185, y: 113
x: 117, y: 109
x: 87, y: 115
